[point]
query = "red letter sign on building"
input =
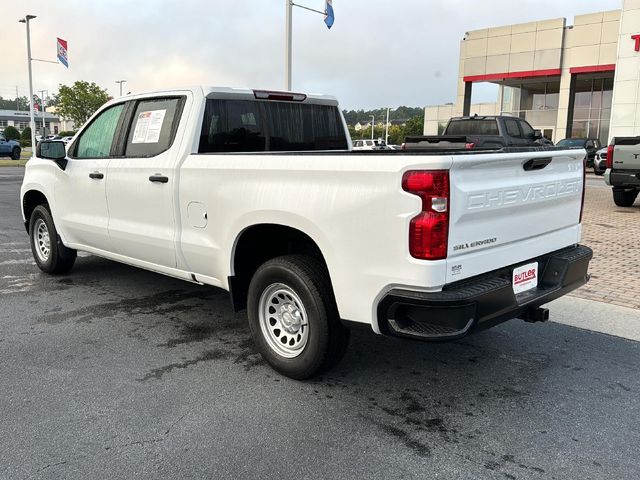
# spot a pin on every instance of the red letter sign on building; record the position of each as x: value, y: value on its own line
x: 637, y: 39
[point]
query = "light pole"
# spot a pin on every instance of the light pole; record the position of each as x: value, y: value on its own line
x: 32, y: 121
x: 373, y: 125
x: 121, y: 82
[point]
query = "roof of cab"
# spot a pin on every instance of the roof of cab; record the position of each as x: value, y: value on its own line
x: 226, y: 92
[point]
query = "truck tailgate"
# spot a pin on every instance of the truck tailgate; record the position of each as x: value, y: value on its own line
x: 510, y: 207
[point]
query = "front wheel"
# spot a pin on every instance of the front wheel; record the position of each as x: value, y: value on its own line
x: 15, y: 153
x: 50, y: 254
x: 624, y: 198
x: 293, y: 317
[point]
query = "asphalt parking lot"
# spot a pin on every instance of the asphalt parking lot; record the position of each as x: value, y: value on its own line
x: 114, y: 372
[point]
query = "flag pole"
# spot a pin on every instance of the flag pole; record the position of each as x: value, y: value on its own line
x: 289, y: 37
x: 288, y: 43
x: 32, y: 120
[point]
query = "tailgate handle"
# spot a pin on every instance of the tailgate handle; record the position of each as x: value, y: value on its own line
x: 537, y: 163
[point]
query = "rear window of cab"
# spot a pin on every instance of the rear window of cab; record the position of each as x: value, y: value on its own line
x: 270, y: 126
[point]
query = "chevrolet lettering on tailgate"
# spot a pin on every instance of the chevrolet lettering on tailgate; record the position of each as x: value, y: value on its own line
x: 533, y: 193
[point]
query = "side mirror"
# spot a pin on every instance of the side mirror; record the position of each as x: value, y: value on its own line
x: 53, y: 150
x: 537, y: 134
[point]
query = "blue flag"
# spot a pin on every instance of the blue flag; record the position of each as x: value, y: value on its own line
x: 329, y: 17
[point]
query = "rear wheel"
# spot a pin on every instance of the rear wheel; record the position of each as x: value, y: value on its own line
x: 293, y: 317
x: 50, y: 254
x: 15, y: 153
x: 624, y: 198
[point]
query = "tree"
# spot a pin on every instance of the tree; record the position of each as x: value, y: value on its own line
x: 79, y: 101
x: 25, y: 137
x: 11, y: 133
x: 415, y: 126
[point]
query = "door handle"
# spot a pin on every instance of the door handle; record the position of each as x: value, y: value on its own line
x: 157, y: 178
x: 96, y: 175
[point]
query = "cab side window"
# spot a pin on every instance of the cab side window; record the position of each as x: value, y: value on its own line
x: 96, y: 141
x: 512, y: 128
x: 153, y: 127
x: 527, y: 130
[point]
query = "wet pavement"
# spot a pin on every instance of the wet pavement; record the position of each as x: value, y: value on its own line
x: 114, y: 372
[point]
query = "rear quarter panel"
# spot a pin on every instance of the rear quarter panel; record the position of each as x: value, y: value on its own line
x: 352, y: 206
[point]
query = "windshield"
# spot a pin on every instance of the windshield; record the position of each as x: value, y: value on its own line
x: 571, y: 142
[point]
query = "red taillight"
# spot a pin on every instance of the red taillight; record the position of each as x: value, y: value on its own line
x: 469, y: 146
x: 429, y: 231
x: 610, y: 156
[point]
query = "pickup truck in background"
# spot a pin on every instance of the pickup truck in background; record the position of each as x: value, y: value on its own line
x: 476, y: 132
x: 259, y: 193
x: 623, y: 169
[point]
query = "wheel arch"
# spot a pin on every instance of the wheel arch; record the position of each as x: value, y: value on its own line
x: 260, y: 242
x: 30, y: 200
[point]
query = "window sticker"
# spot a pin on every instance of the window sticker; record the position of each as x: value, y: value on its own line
x: 149, y: 126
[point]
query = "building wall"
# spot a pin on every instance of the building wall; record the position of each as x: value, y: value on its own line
x: 625, y: 115
x: 550, y: 49
x: 591, y: 41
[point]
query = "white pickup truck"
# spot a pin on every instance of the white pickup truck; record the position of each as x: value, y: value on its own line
x: 259, y: 193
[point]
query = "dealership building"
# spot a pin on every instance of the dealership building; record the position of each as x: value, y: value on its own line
x: 580, y: 80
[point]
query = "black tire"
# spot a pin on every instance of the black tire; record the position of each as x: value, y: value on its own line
x: 15, y: 153
x: 598, y: 172
x: 59, y: 259
x: 624, y: 198
x: 327, y: 338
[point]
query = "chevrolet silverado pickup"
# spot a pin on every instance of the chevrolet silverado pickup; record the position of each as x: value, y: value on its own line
x: 623, y: 169
x: 259, y: 193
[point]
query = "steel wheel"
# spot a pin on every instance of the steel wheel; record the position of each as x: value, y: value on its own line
x: 283, y: 320
x: 42, y: 240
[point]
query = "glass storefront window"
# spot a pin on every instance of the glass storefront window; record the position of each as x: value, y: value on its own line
x: 592, y: 106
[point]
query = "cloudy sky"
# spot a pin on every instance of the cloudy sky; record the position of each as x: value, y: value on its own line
x: 379, y: 53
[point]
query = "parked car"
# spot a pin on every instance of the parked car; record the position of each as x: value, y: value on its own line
x: 623, y: 170
x: 600, y: 162
x: 66, y: 140
x: 225, y: 187
x: 9, y: 148
x: 591, y: 145
x: 369, y: 145
x: 479, y: 132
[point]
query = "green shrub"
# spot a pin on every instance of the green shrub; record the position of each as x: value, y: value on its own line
x: 11, y: 133
x: 25, y: 137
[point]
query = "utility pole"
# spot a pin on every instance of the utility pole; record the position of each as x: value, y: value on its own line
x: 32, y: 120
x: 44, y: 128
x: 386, y: 133
x: 373, y: 125
x: 17, y: 104
x: 288, y: 43
x: 121, y: 82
